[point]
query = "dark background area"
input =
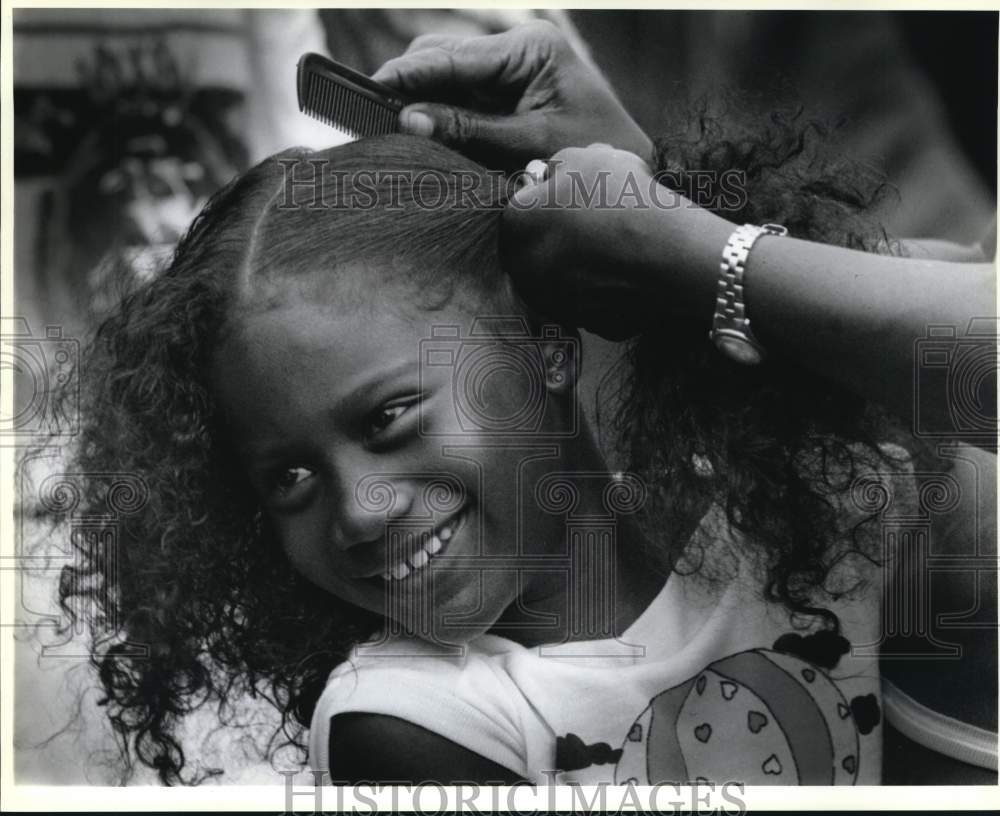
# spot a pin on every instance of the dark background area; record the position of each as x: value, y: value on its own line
x: 958, y: 53
x: 911, y: 95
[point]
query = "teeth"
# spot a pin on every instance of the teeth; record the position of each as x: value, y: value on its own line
x: 431, y: 546
x: 448, y: 530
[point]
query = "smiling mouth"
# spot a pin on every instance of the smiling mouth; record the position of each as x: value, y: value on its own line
x: 432, y: 545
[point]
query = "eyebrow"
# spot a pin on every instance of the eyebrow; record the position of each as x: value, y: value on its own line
x: 267, y: 454
x: 373, y: 382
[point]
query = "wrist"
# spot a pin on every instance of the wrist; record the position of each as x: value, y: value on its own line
x: 681, y: 263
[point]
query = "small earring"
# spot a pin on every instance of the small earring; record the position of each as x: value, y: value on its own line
x: 702, y: 466
x: 555, y: 371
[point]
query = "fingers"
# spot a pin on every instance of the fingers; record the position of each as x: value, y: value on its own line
x: 529, y: 195
x: 447, y: 65
x: 600, y: 155
x: 436, y: 63
x: 617, y: 175
x: 510, y: 138
x: 447, y: 41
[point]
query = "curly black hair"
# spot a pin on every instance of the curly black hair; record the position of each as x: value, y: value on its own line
x: 777, y: 446
x: 200, y: 584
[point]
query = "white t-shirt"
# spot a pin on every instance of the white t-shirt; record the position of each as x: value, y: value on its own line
x: 722, y: 688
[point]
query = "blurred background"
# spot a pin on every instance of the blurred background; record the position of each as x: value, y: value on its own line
x: 126, y: 120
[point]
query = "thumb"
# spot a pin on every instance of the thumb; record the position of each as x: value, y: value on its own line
x: 504, y: 139
x: 528, y: 196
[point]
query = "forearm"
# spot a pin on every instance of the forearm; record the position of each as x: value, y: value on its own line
x: 857, y: 317
x: 852, y: 316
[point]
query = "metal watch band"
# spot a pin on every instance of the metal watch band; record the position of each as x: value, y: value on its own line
x: 730, y: 325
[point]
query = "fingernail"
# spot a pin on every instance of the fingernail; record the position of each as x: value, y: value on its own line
x: 524, y: 198
x: 417, y: 122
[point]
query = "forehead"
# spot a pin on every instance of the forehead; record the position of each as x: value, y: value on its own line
x: 391, y: 283
x: 283, y: 366
x: 338, y: 288
x: 295, y: 340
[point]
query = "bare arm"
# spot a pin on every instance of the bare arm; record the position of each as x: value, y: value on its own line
x: 852, y: 316
x: 380, y: 748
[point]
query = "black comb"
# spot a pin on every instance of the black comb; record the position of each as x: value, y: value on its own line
x: 346, y: 99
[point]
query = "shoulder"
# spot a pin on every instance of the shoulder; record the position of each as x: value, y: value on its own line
x: 400, y: 693
x: 365, y: 747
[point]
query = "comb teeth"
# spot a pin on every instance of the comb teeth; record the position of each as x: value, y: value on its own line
x: 336, y: 101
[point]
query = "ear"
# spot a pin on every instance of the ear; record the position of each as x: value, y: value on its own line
x: 560, y: 348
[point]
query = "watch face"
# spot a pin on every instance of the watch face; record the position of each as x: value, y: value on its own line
x: 738, y: 348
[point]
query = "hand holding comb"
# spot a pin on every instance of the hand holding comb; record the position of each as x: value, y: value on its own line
x: 346, y: 99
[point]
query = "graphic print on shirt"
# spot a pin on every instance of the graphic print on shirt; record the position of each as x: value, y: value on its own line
x: 761, y: 717
x: 573, y: 754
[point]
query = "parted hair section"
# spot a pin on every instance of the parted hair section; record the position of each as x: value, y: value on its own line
x: 392, y: 202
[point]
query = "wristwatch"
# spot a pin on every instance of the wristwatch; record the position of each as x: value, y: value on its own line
x: 730, y: 325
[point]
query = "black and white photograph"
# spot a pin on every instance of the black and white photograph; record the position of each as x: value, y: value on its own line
x: 585, y: 403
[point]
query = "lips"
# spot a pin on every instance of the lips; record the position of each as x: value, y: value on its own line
x: 430, y: 546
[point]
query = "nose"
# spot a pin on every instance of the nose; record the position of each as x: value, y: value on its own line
x: 365, y: 503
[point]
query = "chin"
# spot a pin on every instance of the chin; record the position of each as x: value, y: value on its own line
x: 456, y: 619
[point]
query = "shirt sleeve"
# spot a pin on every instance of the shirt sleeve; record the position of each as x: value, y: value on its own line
x: 465, y: 701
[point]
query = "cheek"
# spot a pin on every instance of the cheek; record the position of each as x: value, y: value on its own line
x: 512, y: 389
x: 489, y: 389
x: 509, y: 398
x: 308, y: 549
x: 307, y: 546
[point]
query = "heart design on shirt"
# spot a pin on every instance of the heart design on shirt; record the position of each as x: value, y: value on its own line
x: 755, y: 721
x: 772, y: 765
x: 703, y: 732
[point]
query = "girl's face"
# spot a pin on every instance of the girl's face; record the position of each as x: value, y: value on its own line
x: 356, y: 435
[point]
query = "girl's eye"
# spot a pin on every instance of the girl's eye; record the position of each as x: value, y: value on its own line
x: 381, y: 419
x: 290, y: 478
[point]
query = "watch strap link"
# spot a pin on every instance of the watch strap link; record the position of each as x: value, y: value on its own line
x: 730, y: 325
